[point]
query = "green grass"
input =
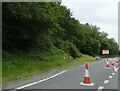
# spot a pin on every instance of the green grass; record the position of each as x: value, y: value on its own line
x: 79, y: 61
x: 18, y: 67
x: 0, y: 71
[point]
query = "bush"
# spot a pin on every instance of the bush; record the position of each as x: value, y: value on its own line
x: 70, y: 48
x: 74, y: 51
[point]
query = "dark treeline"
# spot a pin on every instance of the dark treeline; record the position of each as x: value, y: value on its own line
x: 45, y: 25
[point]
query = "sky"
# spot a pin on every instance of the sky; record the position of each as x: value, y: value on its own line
x: 102, y: 13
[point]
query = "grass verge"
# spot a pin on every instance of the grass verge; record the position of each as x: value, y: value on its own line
x: 18, y: 67
x: 76, y: 62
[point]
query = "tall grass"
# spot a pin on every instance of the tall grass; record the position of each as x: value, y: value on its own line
x: 16, y: 67
x: 24, y: 65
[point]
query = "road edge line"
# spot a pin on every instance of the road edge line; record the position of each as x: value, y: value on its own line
x: 33, y: 83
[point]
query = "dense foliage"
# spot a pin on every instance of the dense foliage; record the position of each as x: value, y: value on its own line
x: 41, y: 25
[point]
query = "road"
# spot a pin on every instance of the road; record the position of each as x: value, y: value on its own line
x: 71, y: 78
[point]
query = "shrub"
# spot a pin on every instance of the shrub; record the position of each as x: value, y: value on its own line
x: 70, y: 48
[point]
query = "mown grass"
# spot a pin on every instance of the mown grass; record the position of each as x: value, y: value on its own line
x: 79, y: 61
x: 0, y: 71
x: 17, y: 67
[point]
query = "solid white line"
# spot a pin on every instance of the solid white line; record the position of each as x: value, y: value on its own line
x: 21, y: 87
x: 101, y: 87
x: 110, y: 77
x: 106, y: 81
x: 27, y: 85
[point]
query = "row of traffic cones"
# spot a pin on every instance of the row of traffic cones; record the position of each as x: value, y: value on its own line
x: 113, y: 64
x: 86, y: 80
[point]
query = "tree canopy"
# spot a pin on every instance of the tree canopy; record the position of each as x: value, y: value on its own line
x: 44, y: 25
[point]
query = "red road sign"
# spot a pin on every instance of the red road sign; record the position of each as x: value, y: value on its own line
x: 105, y: 51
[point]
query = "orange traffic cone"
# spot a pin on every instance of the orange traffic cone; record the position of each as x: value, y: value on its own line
x: 107, y: 65
x: 86, y: 81
x: 113, y: 64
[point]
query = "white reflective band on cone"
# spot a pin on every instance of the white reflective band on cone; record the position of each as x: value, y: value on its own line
x: 86, y: 73
x: 107, y: 62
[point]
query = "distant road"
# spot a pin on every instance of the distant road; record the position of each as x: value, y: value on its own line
x: 71, y: 78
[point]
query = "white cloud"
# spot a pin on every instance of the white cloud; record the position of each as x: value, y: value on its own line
x: 88, y: 1
x: 103, y: 13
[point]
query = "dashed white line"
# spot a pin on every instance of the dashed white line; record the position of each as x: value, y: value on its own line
x: 21, y: 87
x: 110, y: 77
x: 113, y: 73
x: 106, y: 81
x: 101, y: 87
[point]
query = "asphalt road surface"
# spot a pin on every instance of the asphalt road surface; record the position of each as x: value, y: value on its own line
x: 71, y: 78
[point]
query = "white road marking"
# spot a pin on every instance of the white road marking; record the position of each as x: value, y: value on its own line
x: 110, y: 77
x: 21, y: 87
x: 113, y: 73
x: 116, y: 69
x: 106, y: 81
x: 101, y: 87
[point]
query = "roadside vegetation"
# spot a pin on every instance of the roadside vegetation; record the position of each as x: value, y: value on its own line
x: 25, y: 65
x: 40, y: 36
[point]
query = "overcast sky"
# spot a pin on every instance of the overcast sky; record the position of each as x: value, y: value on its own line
x: 103, y: 13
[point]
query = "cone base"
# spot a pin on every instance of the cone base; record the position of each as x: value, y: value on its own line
x: 91, y: 84
x: 107, y: 68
